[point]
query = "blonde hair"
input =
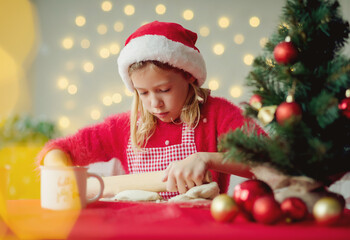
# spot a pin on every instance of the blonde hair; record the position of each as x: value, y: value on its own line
x: 143, y: 123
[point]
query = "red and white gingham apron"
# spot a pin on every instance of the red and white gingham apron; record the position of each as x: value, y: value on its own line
x: 158, y: 159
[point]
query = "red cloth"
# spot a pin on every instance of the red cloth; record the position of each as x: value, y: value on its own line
x: 118, y: 220
x: 109, y: 139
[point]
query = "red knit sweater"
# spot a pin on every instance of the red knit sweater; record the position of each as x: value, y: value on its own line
x: 109, y: 139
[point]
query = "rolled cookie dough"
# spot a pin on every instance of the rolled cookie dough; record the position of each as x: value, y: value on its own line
x: 207, y: 191
x: 198, y: 193
x: 137, y: 195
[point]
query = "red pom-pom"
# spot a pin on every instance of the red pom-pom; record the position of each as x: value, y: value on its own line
x: 294, y: 208
x: 285, y: 53
x: 288, y: 111
x: 267, y: 210
x: 344, y: 106
x: 256, y: 101
x: 248, y: 191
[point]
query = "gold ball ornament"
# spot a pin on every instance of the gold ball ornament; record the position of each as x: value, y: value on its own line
x: 267, y: 114
x: 223, y: 208
x: 327, y: 211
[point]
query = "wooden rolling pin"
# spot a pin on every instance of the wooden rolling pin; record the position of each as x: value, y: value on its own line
x: 151, y: 181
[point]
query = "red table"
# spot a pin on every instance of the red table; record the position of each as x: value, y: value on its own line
x: 126, y: 220
x: 183, y: 221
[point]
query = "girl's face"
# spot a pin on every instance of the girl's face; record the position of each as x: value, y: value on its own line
x: 163, y: 92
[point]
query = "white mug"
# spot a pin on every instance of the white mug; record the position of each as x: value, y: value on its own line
x: 64, y: 188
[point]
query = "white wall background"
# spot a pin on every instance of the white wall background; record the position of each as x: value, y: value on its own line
x: 64, y: 91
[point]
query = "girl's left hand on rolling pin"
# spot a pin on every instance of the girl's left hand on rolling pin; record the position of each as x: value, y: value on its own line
x: 183, y: 175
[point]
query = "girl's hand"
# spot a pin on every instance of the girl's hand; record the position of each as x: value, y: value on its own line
x: 57, y: 157
x: 183, y: 175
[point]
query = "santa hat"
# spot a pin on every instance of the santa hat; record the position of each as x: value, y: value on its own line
x: 164, y: 42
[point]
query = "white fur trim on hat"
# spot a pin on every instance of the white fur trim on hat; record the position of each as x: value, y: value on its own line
x: 160, y: 48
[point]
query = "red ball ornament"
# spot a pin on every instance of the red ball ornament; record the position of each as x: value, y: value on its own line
x: 288, y: 112
x: 285, y: 53
x: 344, y: 106
x: 294, y: 208
x: 267, y: 210
x: 256, y: 101
x: 223, y: 208
x: 248, y: 191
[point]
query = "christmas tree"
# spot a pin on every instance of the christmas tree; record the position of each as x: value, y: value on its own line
x: 301, y: 87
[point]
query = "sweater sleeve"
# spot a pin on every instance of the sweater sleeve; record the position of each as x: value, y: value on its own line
x: 221, y: 117
x: 95, y: 143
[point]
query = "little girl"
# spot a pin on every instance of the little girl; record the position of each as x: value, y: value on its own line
x: 174, y: 124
